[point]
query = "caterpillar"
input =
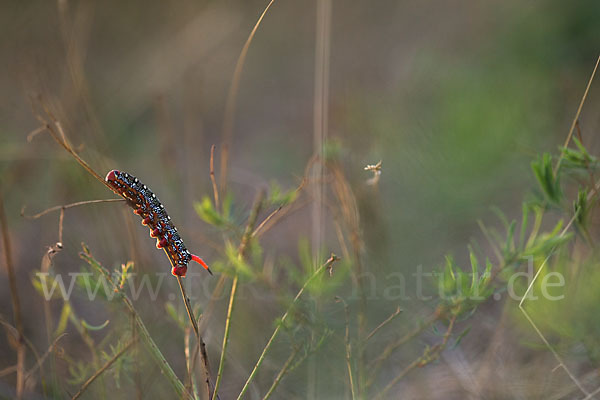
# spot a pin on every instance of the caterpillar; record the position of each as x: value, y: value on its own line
x: 145, y: 204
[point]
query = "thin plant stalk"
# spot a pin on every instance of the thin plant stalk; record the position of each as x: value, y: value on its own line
x: 230, y: 105
x: 258, y: 364
x: 58, y: 134
x: 213, y: 180
x: 66, y: 206
x: 199, y: 340
x: 103, y: 368
x: 234, y: 285
x: 320, y: 133
x: 578, y: 113
x: 191, y: 384
x: 281, y: 373
x: 428, y: 357
x: 16, y: 304
x: 375, y: 365
x: 348, y: 347
x: 384, y: 323
x: 241, y: 254
x: 41, y: 360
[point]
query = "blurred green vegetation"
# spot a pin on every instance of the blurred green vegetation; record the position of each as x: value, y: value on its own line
x: 457, y: 100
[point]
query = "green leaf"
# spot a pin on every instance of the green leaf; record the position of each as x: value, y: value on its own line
x: 460, y: 337
x: 474, y: 268
x: 524, y: 221
x: 94, y: 327
x: 542, y: 168
x: 448, y: 277
x: 279, y: 198
x: 79, y: 372
x: 578, y: 159
x: 63, y: 319
x: 125, y: 272
x: 206, y: 211
x: 487, y: 275
x: 510, y: 234
x: 581, y: 209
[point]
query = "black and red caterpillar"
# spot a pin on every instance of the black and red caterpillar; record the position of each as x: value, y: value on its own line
x: 153, y: 213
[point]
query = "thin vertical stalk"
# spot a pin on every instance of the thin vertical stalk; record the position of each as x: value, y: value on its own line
x: 16, y: 304
x: 241, y: 254
x: 578, y: 113
x: 323, y: 267
x: 199, y: 340
x: 281, y: 373
x: 232, y: 99
x: 320, y: 128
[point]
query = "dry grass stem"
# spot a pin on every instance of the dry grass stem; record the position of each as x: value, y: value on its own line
x: 578, y: 113
x: 230, y: 104
x: 376, y: 363
x: 106, y: 366
x: 54, y: 127
x: 66, y: 206
x: 199, y: 339
x: 16, y: 304
x: 348, y: 347
x: 41, y: 360
x: 384, y: 323
x: 259, y: 229
x: 281, y: 374
x: 213, y: 179
x: 428, y: 356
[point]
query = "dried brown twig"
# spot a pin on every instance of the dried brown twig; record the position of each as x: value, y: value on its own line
x: 66, y: 206
x: 200, y: 341
x: 348, y: 348
x: 384, y: 323
x: 260, y: 229
x: 103, y: 368
x: 16, y: 305
x: 54, y: 128
x: 578, y: 113
x: 376, y: 363
x: 232, y: 98
x: 429, y: 355
x: 213, y: 179
x: 284, y: 370
x: 39, y: 363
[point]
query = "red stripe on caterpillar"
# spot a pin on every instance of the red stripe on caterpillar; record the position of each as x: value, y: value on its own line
x: 153, y: 213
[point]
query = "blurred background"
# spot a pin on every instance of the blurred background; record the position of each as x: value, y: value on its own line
x: 456, y: 98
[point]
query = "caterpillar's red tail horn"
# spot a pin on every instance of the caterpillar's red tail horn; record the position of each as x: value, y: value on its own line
x: 201, y: 262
